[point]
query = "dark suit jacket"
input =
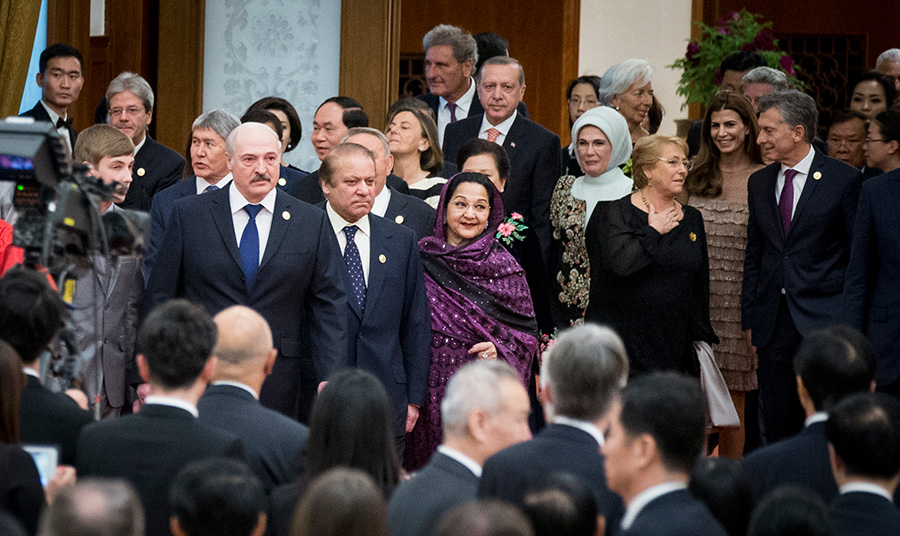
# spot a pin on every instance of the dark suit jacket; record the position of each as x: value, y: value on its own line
x: 859, y: 512
x: 39, y: 113
x: 870, y: 172
x: 148, y: 449
x: 272, y: 442
x: 51, y: 419
x: 289, y: 177
x: 534, y: 155
x: 675, y: 514
x: 810, y: 262
x: 21, y: 494
x: 411, y: 212
x: 418, y: 504
x: 557, y: 448
x: 434, y: 102
x: 298, y: 289
x: 871, y: 294
x: 802, y: 460
x: 160, y: 210
x: 156, y: 167
x: 309, y: 188
x: 391, y: 335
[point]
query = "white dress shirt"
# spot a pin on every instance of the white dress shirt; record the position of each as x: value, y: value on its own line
x: 240, y: 218
x: 819, y: 416
x: 802, y: 169
x: 361, y: 239
x: 172, y: 402
x: 138, y: 146
x: 866, y: 487
x: 239, y: 385
x: 470, y: 464
x: 502, y: 127
x: 202, y: 184
x: 581, y: 425
x: 463, y: 105
x: 646, y: 497
x: 380, y: 205
x: 63, y: 131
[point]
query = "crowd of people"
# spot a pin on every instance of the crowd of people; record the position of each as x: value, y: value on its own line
x: 460, y: 326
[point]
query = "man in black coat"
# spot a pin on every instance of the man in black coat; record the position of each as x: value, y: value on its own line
x: 61, y: 77
x: 149, y: 448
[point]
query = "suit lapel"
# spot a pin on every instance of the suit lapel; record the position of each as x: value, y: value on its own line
x: 817, y: 166
x: 379, y: 248
x: 220, y: 210
x: 279, y: 227
x: 771, y: 204
x: 513, y: 138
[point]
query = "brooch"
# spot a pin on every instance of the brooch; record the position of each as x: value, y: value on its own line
x: 693, y: 237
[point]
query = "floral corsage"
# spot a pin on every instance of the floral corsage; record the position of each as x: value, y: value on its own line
x: 511, y: 229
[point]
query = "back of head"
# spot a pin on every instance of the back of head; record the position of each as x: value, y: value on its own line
x: 101, y: 141
x: 833, y: 363
x: 341, y: 502
x: 352, y: 425
x: 671, y: 409
x: 475, y: 386
x: 11, y: 383
x: 30, y: 312
x: 217, y: 497
x: 743, y: 60
x: 888, y: 123
x: 94, y: 507
x: 767, y: 75
x: 790, y: 511
x: 176, y: 339
x: 244, y: 339
x: 485, y: 518
x: 723, y: 487
x: 59, y: 50
x: 373, y: 132
x: 135, y: 83
x: 562, y: 504
x: 463, y: 44
x: 796, y: 108
x: 891, y: 54
x: 864, y: 430
x: 585, y: 369
x: 489, y: 45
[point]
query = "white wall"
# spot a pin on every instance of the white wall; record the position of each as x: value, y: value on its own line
x: 654, y: 30
x: 282, y: 48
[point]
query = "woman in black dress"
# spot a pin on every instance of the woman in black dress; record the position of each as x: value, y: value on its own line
x: 649, y: 267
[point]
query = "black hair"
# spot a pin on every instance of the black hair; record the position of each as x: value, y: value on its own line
x: 282, y: 105
x: 353, y: 116
x: 790, y: 511
x: 266, y: 118
x: 476, y: 147
x: 722, y: 486
x: 864, y: 430
x: 885, y: 81
x: 30, y: 312
x: 843, y: 116
x: 217, y: 497
x: 177, y: 338
x: 561, y: 504
x: 834, y: 362
x: 591, y: 80
x: 468, y: 176
x: 743, y: 60
x: 889, y: 125
x: 489, y: 45
x: 59, y: 50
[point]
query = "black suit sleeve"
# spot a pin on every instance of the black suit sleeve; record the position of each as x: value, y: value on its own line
x: 860, y: 272
x: 325, y: 303
x: 415, y: 329
x: 752, y: 260
x: 546, y: 174
x: 701, y: 327
x: 167, y: 279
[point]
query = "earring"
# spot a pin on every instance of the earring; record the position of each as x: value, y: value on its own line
x: 421, y: 147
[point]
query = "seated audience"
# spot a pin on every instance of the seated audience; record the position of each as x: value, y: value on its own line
x: 95, y: 507
x: 562, y: 504
x: 217, y: 497
x: 485, y: 518
x: 761, y: 81
x: 722, y: 486
x: 485, y: 410
x: 830, y: 364
x: 416, y: 151
x: 873, y: 94
x: 341, y: 502
x: 273, y: 443
x: 790, y: 511
x: 147, y: 449
x: 883, y: 141
x: 655, y: 438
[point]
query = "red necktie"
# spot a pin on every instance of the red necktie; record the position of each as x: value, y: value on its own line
x: 493, y: 134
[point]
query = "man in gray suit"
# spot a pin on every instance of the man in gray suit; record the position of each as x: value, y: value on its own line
x: 485, y: 410
x: 272, y: 442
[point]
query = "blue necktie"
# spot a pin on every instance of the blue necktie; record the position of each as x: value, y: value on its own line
x: 250, y: 246
x: 210, y: 188
x: 354, y: 265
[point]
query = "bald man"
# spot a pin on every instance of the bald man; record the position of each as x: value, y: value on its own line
x: 272, y: 442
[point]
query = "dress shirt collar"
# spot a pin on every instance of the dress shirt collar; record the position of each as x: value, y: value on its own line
x: 202, y: 183
x: 470, y: 464
x: 238, y: 201
x: 239, y: 385
x: 54, y: 117
x: 31, y: 372
x: 646, y: 497
x: 802, y: 166
x: 139, y: 145
x: 819, y: 416
x: 502, y: 127
x: 380, y: 205
x: 866, y: 487
x: 581, y: 425
x: 463, y: 104
x: 338, y: 223
x: 172, y: 402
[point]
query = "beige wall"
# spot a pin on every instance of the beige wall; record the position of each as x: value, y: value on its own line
x: 610, y: 34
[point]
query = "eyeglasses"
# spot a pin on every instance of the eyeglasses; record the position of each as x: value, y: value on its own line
x: 575, y: 101
x: 869, y: 140
x: 131, y: 110
x: 675, y: 162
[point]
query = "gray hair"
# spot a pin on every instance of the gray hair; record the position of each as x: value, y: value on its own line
x: 476, y: 386
x: 767, y: 75
x: 134, y: 83
x: 463, y: 44
x: 585, y: 369
x: 505, y: 60
x: 219, y: 121
x: 618, y: 78
x: 891, y: 54
x: 796, y: 108
x: 372, y: 132
x: 95, y: 507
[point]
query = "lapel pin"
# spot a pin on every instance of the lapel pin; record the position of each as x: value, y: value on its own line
x: 817, y: 175
x: 399, y: 218
x: 382, y: 259
x: 281, y: 181
x: 512, y: 144
x: 286, y: 215
x: 141, y: 172
x: 693, y: 237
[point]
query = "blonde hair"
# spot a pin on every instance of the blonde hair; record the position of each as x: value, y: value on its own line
x: 100, y: 141
x: 647, y: 152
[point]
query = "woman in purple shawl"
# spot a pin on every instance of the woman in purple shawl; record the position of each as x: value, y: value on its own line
x: 480, y: 304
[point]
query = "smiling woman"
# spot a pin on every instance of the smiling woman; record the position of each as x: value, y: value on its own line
x: 627, y: 88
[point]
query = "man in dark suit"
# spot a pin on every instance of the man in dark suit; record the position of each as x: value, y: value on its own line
x: 388, y: 203
x: 802, y: 210
x: 210, y: 165
x: 30, y: 315
x: 277, y: 256
x: 656, y: 435
x: 832, y: 363
x: 870, y: 290
x: 533, y: 150
x: 484, y: 410
x: 156, y: 166
x: 60, y: 77
x: 386, y: 309
x: 272, y: 442
x: 864, y: 443
x: 580, y: 378
x: 287, y: 177
x: 147, y: 449
x: 846, y: 141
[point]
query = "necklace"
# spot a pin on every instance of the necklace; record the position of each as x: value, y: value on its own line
x: 646, y: 204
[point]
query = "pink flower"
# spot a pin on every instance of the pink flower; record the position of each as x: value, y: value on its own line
x: 787, y: 63
x: 515, y: 216
x: 764, y: 41
x: 718, y: 77
x: 693, y: 49
x: 506, y: 229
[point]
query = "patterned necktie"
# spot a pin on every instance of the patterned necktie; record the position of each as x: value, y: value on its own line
x: 354, y: 265
x: 493, y: 134
x: 786, y: 203
x: 210, y: 188
x: 452, y: 107
x: 250, y: 246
